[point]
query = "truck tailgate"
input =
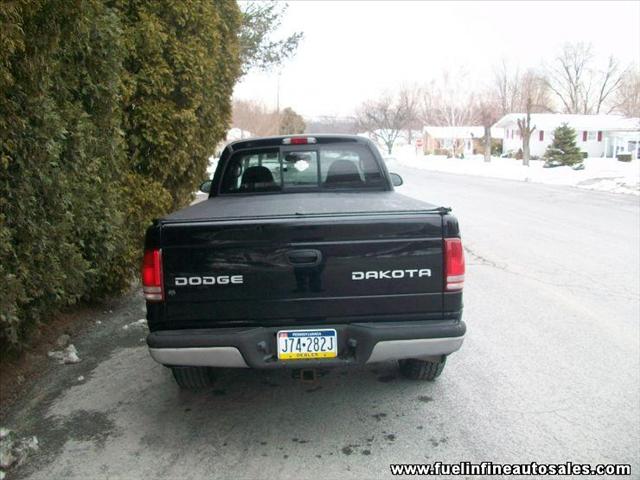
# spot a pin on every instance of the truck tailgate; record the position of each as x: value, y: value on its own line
x: 303, y: 269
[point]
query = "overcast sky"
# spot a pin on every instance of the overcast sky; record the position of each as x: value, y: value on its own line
x: 354, y: 50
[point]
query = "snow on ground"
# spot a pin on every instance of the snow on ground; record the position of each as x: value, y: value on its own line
x: 604, y: 174
x: 142, y: 323
x: 14, y: 450
x: 68, y: 355
x: 213, y: 163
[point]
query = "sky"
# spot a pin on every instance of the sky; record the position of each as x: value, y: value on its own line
x: 353, y: 51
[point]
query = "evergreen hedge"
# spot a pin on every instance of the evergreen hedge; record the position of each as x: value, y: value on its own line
x: 108, y: 113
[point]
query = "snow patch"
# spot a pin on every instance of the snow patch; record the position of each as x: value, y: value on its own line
x: 68, y: 355
x: 603, y: 174
x: 14, y: 451
x: 7, y: 458
x: 142, y: 323
x: 24, y: 447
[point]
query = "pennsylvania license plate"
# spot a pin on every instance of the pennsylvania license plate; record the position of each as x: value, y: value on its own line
x: 307, y: 344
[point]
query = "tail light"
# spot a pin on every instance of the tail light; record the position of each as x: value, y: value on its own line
x: 453, y: 264
x: 152, y: 285
x: 298, y: 140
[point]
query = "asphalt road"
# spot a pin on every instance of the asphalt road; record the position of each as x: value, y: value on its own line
x: 549, y: 372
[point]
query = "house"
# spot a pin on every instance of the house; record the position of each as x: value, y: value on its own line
x: 596, y: 135
x: 456, y: 141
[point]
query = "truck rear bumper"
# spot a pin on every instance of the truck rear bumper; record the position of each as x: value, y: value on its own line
x: 358, y: 343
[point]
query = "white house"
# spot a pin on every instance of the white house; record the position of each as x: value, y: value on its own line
x: 597, y: 135
x: 456, y: 140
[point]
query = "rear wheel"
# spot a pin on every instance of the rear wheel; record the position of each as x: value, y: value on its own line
x: 422, y: 369
x: 192, y: 378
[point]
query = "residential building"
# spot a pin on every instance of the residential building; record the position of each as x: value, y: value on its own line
x: 596, y: 135
x: 456, y: 141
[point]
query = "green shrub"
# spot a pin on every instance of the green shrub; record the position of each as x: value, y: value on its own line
x: 182, y: 62
x: 62, y: 155
x: 624, y: 157
x: 496, y: 147
x: 563, y: 150
x: 108, y: 113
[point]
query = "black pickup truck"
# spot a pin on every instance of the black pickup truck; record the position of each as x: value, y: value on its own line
x: 303, y: 256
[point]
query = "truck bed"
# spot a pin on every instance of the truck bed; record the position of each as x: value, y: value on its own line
x: 298, y: 204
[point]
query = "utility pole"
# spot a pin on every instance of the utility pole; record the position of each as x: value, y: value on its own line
x: 278, y: 102
x: 278, y: 93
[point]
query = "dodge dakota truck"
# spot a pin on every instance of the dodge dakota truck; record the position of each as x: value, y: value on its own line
x: 303, y: 256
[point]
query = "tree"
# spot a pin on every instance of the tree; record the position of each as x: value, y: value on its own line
x: 410, y: 98
x: 627, y: 97
x: 488, y: 114
x: 447, y: 101
x: 563, y: 149
x: 526, y: 129
x: 291, y: 122
x: 610, y: 81
x: 534, y: 93
x: 579, y: 83
x: 257, y: 47
x: 384, y: 119
x: 330, y: 124
x: 255, y: 118
x: 566, y: 76
x: 507, y: 87
x: 513, y: 89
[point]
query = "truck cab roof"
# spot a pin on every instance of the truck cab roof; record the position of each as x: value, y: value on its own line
x: 276, y: 141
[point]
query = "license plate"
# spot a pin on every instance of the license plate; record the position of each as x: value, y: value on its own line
x: 307, y: 344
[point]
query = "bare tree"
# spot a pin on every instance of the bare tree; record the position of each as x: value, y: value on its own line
x: 627, y: 97
x: 577, y: 81
x: 565, y: 76
x: 384, y: 119
x: 427, y: 101
x: 255, y: 118
x: 447, y: 101
x: 513, y: 88
x: 611, y: 81
x: 489, y: 111
x: 506, y: 85
x: 456, y: 100
x: 524, y: 124
x: 534, y: 95
x: 330, y: 124
x: 410, y: 98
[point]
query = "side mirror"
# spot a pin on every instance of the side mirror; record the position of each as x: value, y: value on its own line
x: 396, y: 180
x: 205, y: 187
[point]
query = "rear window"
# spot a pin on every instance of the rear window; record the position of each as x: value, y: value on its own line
x: 302, y: 168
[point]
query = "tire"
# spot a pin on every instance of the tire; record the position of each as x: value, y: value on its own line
x: 421, y: 369
x: 192, y: 378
